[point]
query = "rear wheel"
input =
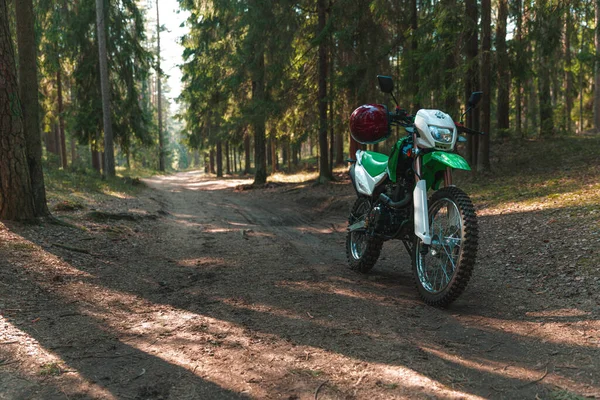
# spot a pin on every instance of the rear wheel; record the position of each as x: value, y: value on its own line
x: 362, y: 250
x: 442, y: 270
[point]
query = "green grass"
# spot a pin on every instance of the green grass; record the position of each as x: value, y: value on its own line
x: 79, y: 189
x: 554, y: 173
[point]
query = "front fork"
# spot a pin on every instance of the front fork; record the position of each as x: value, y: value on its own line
x: 421, y: 209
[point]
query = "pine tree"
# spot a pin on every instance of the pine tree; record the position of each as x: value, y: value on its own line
x: 109, y: 158
x: 28, y: 85
x: 161, y: 145
x: 483, y: 155
x: 16, y: 195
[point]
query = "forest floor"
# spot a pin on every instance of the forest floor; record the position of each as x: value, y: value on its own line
x: 208, y: 292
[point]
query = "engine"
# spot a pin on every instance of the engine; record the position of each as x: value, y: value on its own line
x: 384, y: 220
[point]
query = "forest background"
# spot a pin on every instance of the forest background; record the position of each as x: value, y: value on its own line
x: 269, y: 86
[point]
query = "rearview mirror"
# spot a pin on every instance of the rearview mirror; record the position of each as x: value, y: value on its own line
x: 474, y: 99
x: 386, y: 83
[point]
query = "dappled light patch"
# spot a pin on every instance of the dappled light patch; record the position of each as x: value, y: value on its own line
x: 345, y: 291
x: 24, y: 358
x: 202, y: 262
x: 565, y: 313
x: 320, y: 231
x: 544, y: 330
x: 408, y: 378
x: 541, y: 370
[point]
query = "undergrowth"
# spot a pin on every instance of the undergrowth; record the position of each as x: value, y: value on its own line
x: 556, y: 173
x: 81, y: 188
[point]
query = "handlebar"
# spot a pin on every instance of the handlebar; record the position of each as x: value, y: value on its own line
x: 463, y: 129
x: 401, y: 117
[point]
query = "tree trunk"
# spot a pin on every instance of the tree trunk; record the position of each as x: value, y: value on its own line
x: 227, y: 159
x: 414, y: 67
x: 61, y: 118
x: 597, y: 68
x: 109, y: 156
x: 545, y: 99
x: 518, y: 78
x: 324, y: 171
x: 219, y: 159
x: 57, y: 136
x: 246, y: 153
x: 483, y: 155
x: 161, y: 139
x: 503, y: 107
x: 331, y: 97
x: 546, y: 53
x: 569, y: 93
x: 258, y: 95
x: 16, y: 194
x: 29, y: 99
x: 273, y: 146
x: 472, y: 78
x: 211, y: 162
x: 581, y: 86
x: 295, y: 152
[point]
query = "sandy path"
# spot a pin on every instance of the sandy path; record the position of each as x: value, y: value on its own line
x: 247, y: 295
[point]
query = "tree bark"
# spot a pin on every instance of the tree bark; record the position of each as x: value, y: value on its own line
x: 597, y: 68
x: 28, y: 81
x: 211, y: 162
x: 546, y: 53
x: 227, y: 159
x: 57, y: 136
x: 518, y: 78
x: 161, y: 140
x: 472, y: 78
x: 569, y: 92
x: 219, y: 159
x: 503, y: 107
x: 246, y: 153
x: 483, y: 155
x: 61, y: 118
x: 414, y: 47
x: 324, y: 171
x: 273, y: 145
x: 109, y: 155
x: 16, y: 194
x: 258, y: 95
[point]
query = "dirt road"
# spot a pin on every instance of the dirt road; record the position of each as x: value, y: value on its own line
x: 215, y: 293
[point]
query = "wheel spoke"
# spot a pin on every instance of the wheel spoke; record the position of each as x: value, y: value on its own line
x: 437, y: 268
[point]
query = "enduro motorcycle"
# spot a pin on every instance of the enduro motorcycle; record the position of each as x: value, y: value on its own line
x: 439, y: 233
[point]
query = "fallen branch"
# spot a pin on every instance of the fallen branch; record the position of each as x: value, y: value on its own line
x: 71, y: 248
x: 537, y: 380
x: 319, y: 388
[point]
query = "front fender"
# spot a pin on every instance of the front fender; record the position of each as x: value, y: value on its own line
x: 437, y: 161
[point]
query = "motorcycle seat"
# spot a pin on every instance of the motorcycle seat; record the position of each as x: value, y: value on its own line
x: 374, y: 163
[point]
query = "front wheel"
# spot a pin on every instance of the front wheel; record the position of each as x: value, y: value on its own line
x: 362, y: 250
x: 442, y: 270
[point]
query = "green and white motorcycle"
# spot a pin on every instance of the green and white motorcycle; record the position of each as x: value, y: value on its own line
x: 440, y: 233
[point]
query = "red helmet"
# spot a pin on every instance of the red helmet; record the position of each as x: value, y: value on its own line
x: 369, y: 123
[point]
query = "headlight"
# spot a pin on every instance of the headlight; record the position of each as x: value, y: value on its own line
x: 443, y: 135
